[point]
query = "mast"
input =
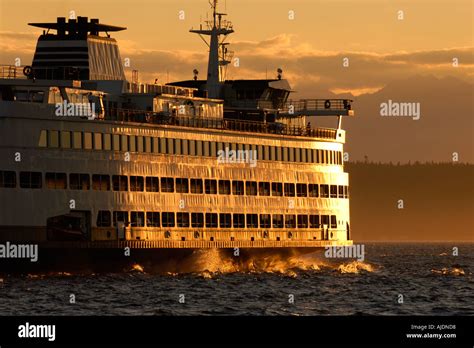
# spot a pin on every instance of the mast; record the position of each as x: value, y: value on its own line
x: 218, y: 53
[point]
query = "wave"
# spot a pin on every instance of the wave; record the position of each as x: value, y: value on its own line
x: 210, y: 262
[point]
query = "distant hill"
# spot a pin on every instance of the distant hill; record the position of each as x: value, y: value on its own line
x: 445, y: 126
x: 438, y: 202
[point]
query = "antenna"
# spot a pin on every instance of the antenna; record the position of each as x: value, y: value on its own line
x: 218, y: 29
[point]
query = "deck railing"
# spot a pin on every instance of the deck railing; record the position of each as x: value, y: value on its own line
x: 142, y: 116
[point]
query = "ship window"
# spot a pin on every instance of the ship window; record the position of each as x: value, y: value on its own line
x: 66, y: 140
x: 116, y: 142
x: 301, y: 190
x: 237, y: 188
x: 333, y: 191
x: 42, y: 141
x: 224, y: 187
x: 277, y: 221
x: 313, y: 190
x: 315, y: 156
x: 77, y: 140
x: 107, y: 141
x: 104, y: 218
x: 277, y: 189
x: 272, y: 153
x: 302, y: 221
x: 147, y: 144
x: 132, y: 143
x: 206, y: 146
x: 152, y: 184
x: 136, y: 183
x: 333, y: 221
x: 124, y: 143
x: 53, y: 138
x: 285, y: 154
x: 266, y: 153
x: 170, y: 147
x: 346, y: 191
x: 297, y: 155
x: 79, y: 181
x: 7, y: 179
x: 56, y: 180
x: 309, y: 156
x: 341, y: 191
x: 120, y: 216
x: 119, y: 183
x: 167, y: 185
x: 213, y: 150
x: 198, y: 148
x: 325, y: 220
x: 177, y: 147
x: 239, y: 221
x: 303, y: 155
x: 324, y: 191
x: 156, y: 145
x: 167, y: 219
x: 314, y: 221
x: 319, y: 156
x: 279, y: 154
x: 211, y: 187
x: 289, y: 189
x: 291, y: 154
x: 260, y: 152
x: 211, y: 220
x: 196, y: 186
x: 97, y: 141
x: 220, y: 147
x: 182, y: 219
x: 290, y: 221
x: 251, y: 188
x: 139, y: 144
x: 153, y: 219
x: 31, y: 180
x: 265, y: 221
x: 88, y: 140
x: 225, y: 220
x: 264, y: 189
x: 192, y: 147
x: 197, y: 220
x: 100, y: 182
x: 252, y: 220
x: 182, y: 185
x: 184, y: 147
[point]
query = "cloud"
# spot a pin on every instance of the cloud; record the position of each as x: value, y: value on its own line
x: 311, y: 71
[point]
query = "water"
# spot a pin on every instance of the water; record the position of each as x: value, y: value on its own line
x: 430, y: 279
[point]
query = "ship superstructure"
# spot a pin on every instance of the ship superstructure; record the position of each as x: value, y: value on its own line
x: 91, y: 160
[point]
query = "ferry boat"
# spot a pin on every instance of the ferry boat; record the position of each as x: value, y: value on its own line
x: 91, y: 163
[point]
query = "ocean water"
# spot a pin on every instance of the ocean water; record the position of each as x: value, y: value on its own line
x: 394, y: 279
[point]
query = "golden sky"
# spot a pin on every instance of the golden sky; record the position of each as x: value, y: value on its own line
x: 309, y: 48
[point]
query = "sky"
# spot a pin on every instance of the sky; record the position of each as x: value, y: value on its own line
x: 380, y: 42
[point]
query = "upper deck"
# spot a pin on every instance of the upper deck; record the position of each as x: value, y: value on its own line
x: 160, y: 105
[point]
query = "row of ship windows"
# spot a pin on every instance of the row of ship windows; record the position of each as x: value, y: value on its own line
x: 213, y: 220
x: 133, y: 143
x: 101, y: 182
